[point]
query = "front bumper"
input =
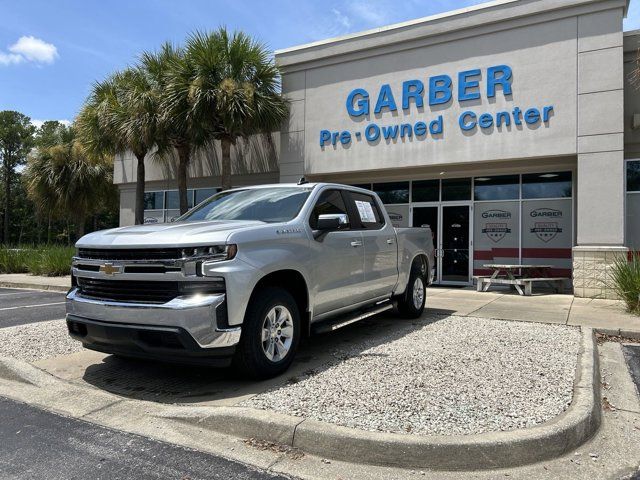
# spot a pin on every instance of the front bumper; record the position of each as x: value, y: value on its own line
x: 166, y: 344
x: 199, y: 317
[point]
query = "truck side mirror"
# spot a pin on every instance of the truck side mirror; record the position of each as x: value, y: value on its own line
x: 329, y: 222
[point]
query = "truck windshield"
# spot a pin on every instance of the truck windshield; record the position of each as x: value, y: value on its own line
x: 278, y: 204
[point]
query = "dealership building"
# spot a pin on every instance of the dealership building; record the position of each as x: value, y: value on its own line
x: 512, y: 128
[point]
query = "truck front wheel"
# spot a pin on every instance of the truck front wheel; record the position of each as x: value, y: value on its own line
x: 411, y: 302
x: 270, y: 334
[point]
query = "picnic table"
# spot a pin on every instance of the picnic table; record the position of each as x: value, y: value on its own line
x: 519, y: 276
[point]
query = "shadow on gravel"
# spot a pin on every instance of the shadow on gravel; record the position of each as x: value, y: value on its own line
x: 168, y: 383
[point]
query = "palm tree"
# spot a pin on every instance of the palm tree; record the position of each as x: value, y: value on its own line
x: 65, y: 180
x: 169, y: 71
x: 122, y: 114
x: 223, y: 88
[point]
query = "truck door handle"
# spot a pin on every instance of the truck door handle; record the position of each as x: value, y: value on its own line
x: 390, y: 241
x: 356, y: 243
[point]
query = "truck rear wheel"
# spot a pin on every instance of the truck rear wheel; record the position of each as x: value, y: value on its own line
x: 270, y: 334
x: 411, y: 302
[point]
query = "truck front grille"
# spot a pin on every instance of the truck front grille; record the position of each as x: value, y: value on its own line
x: 130, y: 254
x: 145, y: 291
x: 128, y: 290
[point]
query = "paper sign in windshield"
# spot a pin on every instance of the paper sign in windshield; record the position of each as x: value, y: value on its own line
x: 366, y: 212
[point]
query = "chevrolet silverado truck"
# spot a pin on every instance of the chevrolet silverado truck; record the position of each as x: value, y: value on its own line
x: 241, y: 277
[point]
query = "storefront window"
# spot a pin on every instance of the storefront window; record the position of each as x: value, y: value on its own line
x: 393, y: 192
x: 496, y: 235
x: 633, y: 176
x: 504, y: 187
x: 425, y: 191
x: 546, y: 185
x: 366, y: 186
x: 203, y: 193
x: 633, y: 205
x: 172, y: 199
x: 547, y: 235
x: 153, y: 200
x: 456, y: 189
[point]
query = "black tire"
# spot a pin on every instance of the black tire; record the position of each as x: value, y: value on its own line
x: 410, y: 305
x: 251, y: 358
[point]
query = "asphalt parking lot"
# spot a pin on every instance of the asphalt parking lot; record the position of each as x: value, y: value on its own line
x: 21, y: 306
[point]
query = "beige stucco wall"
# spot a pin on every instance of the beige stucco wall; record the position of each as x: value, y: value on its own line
x: 254, y: 161
x: 565, y: 53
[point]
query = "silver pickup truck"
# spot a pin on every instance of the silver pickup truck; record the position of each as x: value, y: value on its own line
x: 243, y: 275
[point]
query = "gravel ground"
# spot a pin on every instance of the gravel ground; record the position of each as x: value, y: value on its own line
x: 37, y: 341
x: 440, y: 375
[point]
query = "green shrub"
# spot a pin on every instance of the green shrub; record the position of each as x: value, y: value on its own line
x: 13, y: 260
x: 52, y: 261
x: 626, y: 281
x: 49, y: 260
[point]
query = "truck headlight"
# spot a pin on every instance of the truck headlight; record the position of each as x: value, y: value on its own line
x: 215, y: 253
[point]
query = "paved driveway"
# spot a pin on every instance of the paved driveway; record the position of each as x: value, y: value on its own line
x: 39, y: 444
x: 20, y: 306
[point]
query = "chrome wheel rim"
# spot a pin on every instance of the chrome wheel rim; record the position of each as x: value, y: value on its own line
x: 418, y: 293
x: 277, y: 333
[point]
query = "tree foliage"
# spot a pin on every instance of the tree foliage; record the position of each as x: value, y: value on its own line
x: 226, y: 86
x: 122, y: 115
x: 65, y: 180
x: 16, y: 139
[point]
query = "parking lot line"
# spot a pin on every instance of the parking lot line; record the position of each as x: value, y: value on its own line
x: 32, y: 306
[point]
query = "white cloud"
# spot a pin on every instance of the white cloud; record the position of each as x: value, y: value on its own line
x: 341, y: 18
x: 10, y: 58
x: 39, y: 123
x: 373, y: 13
x: 29, y: 49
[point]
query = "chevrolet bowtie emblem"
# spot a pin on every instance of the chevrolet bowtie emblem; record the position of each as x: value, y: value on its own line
x: 110, y: 269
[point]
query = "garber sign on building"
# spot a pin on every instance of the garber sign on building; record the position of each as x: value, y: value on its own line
x: 437, y: 91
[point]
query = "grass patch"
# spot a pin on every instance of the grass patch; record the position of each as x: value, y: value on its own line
x: 50, y: 260
x: 626, y: 281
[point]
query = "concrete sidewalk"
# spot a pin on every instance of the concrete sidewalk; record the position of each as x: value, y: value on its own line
x: 605, y: 316
x: 24, y: 280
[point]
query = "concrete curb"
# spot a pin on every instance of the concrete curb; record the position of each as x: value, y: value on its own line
x: 35, y: 286
x: 549, y: 440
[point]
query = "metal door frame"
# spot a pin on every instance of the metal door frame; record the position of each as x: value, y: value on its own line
x: 439, y: 250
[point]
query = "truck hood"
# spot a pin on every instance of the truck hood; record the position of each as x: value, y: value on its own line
x: 178, y: 234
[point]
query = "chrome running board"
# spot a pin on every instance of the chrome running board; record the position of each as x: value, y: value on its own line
x: 343, y: 321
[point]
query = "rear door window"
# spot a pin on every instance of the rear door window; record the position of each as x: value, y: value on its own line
x: 366, y: 213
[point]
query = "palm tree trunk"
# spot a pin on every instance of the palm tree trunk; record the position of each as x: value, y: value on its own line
x: 139, y: 213
x: 183, y: 161
x: 79, y: 228
x: 226, y: 163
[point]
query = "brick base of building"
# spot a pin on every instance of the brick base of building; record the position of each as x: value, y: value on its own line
x: 592, y: 271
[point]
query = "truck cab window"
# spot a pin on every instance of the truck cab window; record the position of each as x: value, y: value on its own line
x: 367, y: 212
x: 330, y: 202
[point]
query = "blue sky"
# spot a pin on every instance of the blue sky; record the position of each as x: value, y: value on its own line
x: 52, y: 51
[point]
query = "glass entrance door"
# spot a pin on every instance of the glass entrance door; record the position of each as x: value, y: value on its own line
x: 454, y: 241
x: 451, y: 230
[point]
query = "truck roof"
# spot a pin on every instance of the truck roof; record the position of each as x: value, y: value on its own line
x: 301, y: 185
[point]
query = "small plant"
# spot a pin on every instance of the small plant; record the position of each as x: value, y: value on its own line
x: 626, y: 281
x: 53, y: 261
x: 13, y: 260
x: 50, y: 260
